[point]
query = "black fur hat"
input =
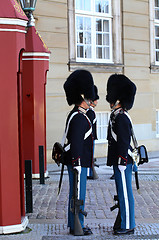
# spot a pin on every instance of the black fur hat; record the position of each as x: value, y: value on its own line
x: 121, y: 88
x: 80, y: 82
x: 96, y: 93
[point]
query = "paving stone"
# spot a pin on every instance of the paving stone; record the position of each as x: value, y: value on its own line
x: 49, y: 218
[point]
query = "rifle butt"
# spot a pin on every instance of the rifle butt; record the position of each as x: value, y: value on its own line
x: 117, y: 223
x: 78, y: 231
x: 95, y: 175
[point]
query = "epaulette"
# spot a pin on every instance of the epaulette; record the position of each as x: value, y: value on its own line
x: 118, y: 111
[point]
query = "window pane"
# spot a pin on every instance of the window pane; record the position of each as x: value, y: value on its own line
x: 79, y: 23
x: 106, y: 26
x: 105, y: 119
x: 106, y: 6
x: 98, y: 119
x: 102, y: 125
x: 103, y: 133
x: 98, y: 25
x: 157, y: 31
x: 88, y: 52
x: 99, y: 133
x: 98, y: 6
x: 156, y: 13
x: 80, y: 51
x: 156, y: 3
x: 106, y: 39
x: 99, y: 39
x: 102, y: 119
x: 84, y: 5
x: 102, y: 6
x: 79, y: 37
x: 157, y: 44
x: 106, y: 52
x: 87, y: 23
x: 102, y: 39
x: 157, y: 56
x: 99, y: 52
x: 157, y: 130
x: 87, y: 5
x: 156, y: 9
x: 84, y: 37
x: 88, y: 38
x: 157, y: 122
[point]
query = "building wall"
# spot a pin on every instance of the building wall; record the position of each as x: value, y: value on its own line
x: 52, y: 24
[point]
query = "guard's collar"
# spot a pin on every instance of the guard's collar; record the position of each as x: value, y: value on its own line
x: 82, y: 110
x: 118, y: 110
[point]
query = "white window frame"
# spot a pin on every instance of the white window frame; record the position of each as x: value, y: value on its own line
x: 93, y: 15
x: 156, y: 24
x: 116, y: 64
x: 105, y: 127
x: 153, y: 22
x: 157, y: 123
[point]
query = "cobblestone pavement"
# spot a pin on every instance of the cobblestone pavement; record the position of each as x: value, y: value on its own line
x: 49, y: 218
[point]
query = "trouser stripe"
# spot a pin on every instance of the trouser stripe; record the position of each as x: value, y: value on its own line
x: 125, y: 199
x: 78, y: 185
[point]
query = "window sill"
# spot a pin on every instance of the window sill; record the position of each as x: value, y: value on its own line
x: 96, y: 67
x: 154, y: 68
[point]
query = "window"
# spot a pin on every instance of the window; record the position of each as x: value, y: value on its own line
x: 95, y: 35
x: 154, y: 35
x: 157, y: 31
x: 102, y: 125
x: 93, y: 30
x: 157, y: 123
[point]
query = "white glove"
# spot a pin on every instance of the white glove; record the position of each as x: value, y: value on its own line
x: 135, y: 156
x: 78, y: 168
x: 121, y: 168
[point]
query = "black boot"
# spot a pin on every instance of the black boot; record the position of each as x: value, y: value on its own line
x: 124, y: 231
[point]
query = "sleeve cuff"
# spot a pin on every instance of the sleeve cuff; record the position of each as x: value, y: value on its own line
x: 76, y: 162
x: 122, y: 161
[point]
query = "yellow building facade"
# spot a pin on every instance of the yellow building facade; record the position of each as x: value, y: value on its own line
x: 104, y: 37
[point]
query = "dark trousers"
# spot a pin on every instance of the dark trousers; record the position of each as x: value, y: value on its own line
x: 82, y: 195
x: 89, y: 170
x: 123, y: 181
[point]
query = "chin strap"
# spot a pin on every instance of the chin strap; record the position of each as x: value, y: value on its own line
x: 93, y: 104
x: 88, y: 102
x: 117, y: 102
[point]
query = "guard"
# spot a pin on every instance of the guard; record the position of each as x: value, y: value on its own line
x: 79, y: 89
x: 91, y: 173
x: 120, y: 94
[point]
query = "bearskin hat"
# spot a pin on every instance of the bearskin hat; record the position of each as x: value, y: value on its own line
x: 121, y: 88
x: 80, y: 82
x: 96, y: 97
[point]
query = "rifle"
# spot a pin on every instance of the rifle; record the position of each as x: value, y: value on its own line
x: 117, y: 223
x: 94, y: 173
x: 75, y: 206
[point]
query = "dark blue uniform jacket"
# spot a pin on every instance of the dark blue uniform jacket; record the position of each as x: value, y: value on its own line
x: 118, y: 149
x: 81, y: 151
x: 92, y: 116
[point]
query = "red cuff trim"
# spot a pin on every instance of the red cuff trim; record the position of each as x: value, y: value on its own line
x: 75, y: 159
x: 123, y: 158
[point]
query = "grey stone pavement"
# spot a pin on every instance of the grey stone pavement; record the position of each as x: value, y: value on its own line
x: 49, y: 218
